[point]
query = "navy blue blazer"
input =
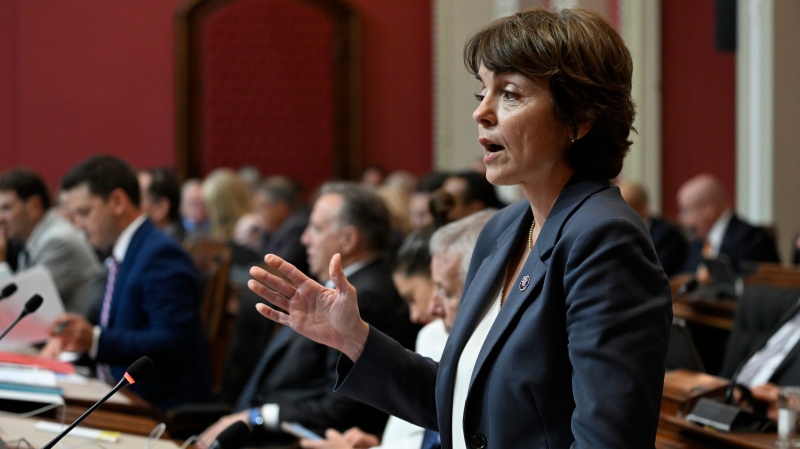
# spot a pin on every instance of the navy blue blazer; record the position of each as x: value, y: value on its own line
x: 155, y: 311
x: 576, y: 359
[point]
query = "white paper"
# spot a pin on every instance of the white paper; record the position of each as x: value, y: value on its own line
x: 28, y: 376
x: 35, y: 327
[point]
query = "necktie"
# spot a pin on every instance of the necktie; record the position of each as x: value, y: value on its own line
x: 105, y: 310
x: 431, y: 440
x: 707, y: 249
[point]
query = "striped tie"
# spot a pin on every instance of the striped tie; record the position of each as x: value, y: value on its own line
x: 105, y: 311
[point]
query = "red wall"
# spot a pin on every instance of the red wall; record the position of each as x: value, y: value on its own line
x: 88, y: 76
x: 698, y: 100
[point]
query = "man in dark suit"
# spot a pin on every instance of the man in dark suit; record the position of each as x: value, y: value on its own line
x: 294, y: 378
x: 151, y: 302
x: 668, y: 240
x: 705, y: 211
x: 772, y: 361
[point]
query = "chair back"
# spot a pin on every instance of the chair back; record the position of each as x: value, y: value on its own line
x: 213, y: 260
x: 682, y: 352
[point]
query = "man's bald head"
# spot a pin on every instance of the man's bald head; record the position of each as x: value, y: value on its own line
x: 702, y: 200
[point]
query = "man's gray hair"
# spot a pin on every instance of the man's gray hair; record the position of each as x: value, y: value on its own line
x: 363, y: 209
x: 459, y: 237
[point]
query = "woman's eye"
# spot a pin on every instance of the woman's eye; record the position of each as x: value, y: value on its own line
x: 479, y: 97
x: 508, y: 95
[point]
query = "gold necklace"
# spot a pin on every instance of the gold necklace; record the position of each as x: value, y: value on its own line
x: 530, y: 235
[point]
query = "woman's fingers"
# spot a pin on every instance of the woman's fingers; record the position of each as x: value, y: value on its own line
x: 274, y: 298
x: 272, y: 314
x: 294, y: 275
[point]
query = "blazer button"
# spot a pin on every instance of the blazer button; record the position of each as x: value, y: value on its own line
x: 478, y: 442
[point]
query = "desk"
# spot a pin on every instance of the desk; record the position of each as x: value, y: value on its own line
x: 682, y: 388
x: 84, y: 392
x: 14, y: 428
x: 713, y: 313
x: 676, y: 432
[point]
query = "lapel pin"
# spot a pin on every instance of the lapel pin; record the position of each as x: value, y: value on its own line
x: 524, y: 283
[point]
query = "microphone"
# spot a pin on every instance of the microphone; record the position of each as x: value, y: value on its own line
x: 8, y: 290
x: 135, y: 372
x: 31, y: 306
x: 690, y: 286
x: 233, y: 437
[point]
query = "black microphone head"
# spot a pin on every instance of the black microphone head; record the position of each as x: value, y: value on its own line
x: 235, y: 436
x: 8, y: 290
x: 138, y: 369
x: 33, y: 304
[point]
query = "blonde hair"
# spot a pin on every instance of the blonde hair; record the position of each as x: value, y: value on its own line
x: 227, y: 200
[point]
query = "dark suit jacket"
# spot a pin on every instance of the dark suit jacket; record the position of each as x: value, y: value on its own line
x: 155, y: 311
x: 670, y: 245
x: 300, y: 374
x: 760, y: 312
x: 576, y: 358
x: 742, y: 242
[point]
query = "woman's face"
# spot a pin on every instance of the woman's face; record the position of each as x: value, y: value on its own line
x: 521, y: 137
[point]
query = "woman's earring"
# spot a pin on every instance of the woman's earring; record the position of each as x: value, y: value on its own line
x: 573, y: 140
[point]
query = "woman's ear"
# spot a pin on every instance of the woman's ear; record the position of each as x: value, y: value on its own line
x: 584, y: 125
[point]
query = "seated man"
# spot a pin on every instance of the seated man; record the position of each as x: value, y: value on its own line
x: 451, y: 249
x: 45, y: 238
x: 294, y: 379
x: 151, y: 303
x: 704, y: 210
x: 668, y: 240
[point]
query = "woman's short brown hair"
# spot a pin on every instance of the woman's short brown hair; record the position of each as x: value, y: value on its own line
x: 589, y: 71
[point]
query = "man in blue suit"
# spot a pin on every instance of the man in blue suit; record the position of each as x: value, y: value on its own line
x: 151, y: 303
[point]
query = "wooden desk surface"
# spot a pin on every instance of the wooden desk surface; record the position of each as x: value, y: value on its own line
x: 15, y: 428
x: 676, y: 432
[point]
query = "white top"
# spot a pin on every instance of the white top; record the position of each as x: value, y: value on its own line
x: 717, y: 232
x: 466, y: 365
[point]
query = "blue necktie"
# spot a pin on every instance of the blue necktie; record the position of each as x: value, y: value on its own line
x: 249, y: 391
x: 431, y: 440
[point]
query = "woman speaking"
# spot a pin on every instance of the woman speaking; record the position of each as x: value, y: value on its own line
x: 564, y: 322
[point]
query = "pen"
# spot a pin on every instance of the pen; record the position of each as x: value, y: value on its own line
x: 60, y: 327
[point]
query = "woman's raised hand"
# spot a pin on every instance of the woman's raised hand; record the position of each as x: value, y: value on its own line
x: 326, y: 315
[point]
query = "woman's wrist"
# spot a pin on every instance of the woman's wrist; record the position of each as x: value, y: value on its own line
x: 354, y: 346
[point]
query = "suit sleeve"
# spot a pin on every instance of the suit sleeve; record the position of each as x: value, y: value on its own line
x: 618, y: 312
x: 391, y: 378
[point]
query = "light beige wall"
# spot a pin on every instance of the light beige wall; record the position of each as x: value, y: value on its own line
x: 786, y: 107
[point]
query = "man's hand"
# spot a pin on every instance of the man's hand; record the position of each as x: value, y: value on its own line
x: 207, y: 438
x: 74, y: 332
x: 358, y: 438
x: 326, y: 315
x: 768, y: 394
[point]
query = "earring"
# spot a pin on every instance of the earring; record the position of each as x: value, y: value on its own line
x: 573, y: 140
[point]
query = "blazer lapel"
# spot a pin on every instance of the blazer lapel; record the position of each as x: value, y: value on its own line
x: 125, y: 268
x: 573, y: 195
x: 480, y: 293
